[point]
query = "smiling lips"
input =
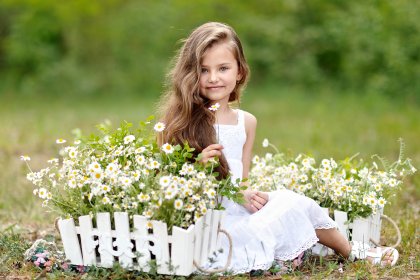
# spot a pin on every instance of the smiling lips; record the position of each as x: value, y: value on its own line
x: 213, y: 88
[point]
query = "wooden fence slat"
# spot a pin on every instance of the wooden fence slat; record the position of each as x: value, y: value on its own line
x: 375, y: 226
x: 70, y: 241
x: 198, y: 239
x: 206, y: 236
x: 182, y: 250
x: 361, y: 230
x: 160, y: 232
x: 123, y: 241
x: 220, y: 236
x: 340, y: 217
x: 87, y: 241
x: 142, y: 245
x: 213, y: 230
x: 105, y: 239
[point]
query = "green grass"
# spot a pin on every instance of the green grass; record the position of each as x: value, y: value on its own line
x: 318, y: 123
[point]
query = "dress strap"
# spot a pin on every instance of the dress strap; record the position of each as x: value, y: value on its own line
x: 241, y: 118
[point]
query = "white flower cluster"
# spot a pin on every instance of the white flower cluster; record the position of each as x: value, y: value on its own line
x: 124, y: 172
x: 351, y: 186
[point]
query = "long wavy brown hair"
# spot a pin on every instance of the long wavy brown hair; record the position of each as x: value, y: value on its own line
x: 182, y: 108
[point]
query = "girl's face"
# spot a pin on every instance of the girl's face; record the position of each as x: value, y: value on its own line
x: 219, y: 73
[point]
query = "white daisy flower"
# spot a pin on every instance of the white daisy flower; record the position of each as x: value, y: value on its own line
x: 201, y: 175
x: 94, y: 166
x: 106, y: 200
x: 125, y: 181
x: 303, y: 178
x: 53, y: 161
x: 167, y: 148
x: 143, y: 197
x: 154, y: 164
x: 169, y: 194
x: 159, y: 127
x: 148, y: 213
x: 211, y: 193
x: 381, y: 202
x: 72, y: 184
x: 140, y: 150
x: 42, y: 193
x: 214, y: 107
x: 128, y: 139
x: 112, y: 168
x: 72, y: 152
x: 178, y: 203
x: 325, y: 163
x: 149, y: 225
x: 25, y: 158
x: 105, y: 188
x: 60, y: 141
x: 141, y: 160
x: 189, y: 207
x: 97, y: 175
x: 164, y: 181
x: 372, y: 201
x: 265, y: 143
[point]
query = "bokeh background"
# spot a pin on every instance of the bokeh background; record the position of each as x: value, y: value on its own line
x: 329, y: 78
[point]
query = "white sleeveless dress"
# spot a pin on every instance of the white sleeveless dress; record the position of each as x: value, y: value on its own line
x: 281, y: 230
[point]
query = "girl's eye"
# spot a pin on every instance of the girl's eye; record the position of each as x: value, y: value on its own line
x: 224, y: 68
x: 203, y: 70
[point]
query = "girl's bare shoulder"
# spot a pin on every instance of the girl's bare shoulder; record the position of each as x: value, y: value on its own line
x: 250, y: 120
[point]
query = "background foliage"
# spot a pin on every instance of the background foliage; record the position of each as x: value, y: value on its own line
x: 123, y: 46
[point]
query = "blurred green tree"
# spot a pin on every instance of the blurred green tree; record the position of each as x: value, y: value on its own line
x: 90, y: 47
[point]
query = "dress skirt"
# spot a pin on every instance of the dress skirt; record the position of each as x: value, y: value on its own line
x: 281, y: 230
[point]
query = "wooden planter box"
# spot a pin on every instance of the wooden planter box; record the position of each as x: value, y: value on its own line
x: 134, y: 248
x: 361, y: 229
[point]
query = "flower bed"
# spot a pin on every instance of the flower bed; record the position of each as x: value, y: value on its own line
x: 353, y: 191
x: 123, y: 173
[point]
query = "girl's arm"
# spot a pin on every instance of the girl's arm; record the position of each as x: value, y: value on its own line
x: 250, y: 128
x: 254, y: 200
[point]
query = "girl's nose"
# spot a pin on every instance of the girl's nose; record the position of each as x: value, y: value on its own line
x: 213, y: 77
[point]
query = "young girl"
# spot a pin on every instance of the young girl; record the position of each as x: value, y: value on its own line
x: 211, y: 69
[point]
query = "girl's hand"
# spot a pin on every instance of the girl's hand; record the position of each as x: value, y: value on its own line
x: 212, y: 151
x: 254, y: 200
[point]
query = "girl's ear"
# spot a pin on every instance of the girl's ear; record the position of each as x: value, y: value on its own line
x: 238, y: 77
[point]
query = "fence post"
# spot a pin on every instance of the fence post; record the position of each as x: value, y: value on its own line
x: 105, y: 249
x: 70, y: 241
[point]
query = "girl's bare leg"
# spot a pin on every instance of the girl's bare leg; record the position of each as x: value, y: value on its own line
x: 333, y: 239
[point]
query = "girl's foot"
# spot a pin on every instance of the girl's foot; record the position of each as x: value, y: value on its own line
x: 384, y: 256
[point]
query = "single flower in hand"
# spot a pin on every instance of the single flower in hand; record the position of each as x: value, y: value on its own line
x: 214, y: 107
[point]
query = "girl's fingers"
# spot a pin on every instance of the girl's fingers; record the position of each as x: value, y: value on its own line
x: 213, y: 147
x: 254, y: 208
x: 261, y: 198
x: 214, y: 153
x: 263, y: 195
x: 257, y: 204
x: 210, y: 154
x: 211, y: 151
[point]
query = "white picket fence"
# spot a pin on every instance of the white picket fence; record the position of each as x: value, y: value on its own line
x: 364, y: 230
x: 134, y: 248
